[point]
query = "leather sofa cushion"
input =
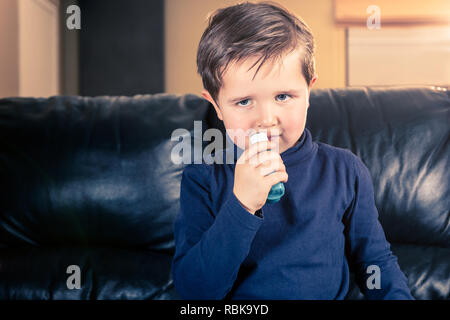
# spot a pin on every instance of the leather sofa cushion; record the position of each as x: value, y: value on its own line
x: 106, y: 274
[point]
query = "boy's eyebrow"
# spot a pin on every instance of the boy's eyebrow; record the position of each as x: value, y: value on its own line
x: 233, y: 100
x: 290, y: 91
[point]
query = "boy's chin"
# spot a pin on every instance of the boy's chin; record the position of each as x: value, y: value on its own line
x: 283, y: 146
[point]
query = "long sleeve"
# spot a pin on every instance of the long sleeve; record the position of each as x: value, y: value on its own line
x: 210, y: 247
x: 366, y: 243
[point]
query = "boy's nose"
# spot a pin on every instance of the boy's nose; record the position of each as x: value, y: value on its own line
x: 267, y: 117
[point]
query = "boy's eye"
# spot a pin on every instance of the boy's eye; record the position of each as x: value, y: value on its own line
x: 280, y: 97
x: 243, y: 103
x: 283, y: 97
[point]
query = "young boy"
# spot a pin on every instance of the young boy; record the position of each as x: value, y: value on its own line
x: 231, y: 243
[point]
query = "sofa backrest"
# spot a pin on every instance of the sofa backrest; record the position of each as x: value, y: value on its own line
x: 91, y: 170
x: 98, y: 170
x: 402, y: 135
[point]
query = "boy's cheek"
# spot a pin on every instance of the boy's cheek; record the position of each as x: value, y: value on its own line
x: 293, y: 133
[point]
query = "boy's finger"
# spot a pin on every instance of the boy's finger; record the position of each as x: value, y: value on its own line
x: 255, y: 149
x: 271, y: 167
x: 265, y: 156
x: 274, y: 178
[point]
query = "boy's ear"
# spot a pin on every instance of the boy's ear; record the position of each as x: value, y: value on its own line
x: 208, y: 97
x: 313, y: 80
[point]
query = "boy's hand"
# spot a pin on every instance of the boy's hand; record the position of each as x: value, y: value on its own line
x: 257, y: 170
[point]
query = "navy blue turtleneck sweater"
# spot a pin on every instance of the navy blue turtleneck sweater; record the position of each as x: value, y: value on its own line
x: 302, y: 247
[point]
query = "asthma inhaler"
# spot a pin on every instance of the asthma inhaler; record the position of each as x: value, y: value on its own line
x: 277, y: 190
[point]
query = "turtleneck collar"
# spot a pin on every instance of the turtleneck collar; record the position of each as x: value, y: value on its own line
x: 300, y: 150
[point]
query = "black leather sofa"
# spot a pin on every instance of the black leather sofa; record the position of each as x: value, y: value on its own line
x: 88, y: 181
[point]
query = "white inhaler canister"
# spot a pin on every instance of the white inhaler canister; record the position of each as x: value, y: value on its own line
x: 277, y: 190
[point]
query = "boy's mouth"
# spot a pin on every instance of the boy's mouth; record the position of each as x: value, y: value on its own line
x: 273, y: 136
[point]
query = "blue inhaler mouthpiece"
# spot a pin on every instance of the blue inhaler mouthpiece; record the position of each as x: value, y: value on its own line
x: 277, y: 190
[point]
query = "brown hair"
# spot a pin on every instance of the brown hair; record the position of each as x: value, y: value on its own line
x: 263, y: 29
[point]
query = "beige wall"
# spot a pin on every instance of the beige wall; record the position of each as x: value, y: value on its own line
x: 38, y: 48
x: 9, y: 49
x: 185, y: 21
x: 29, y: 53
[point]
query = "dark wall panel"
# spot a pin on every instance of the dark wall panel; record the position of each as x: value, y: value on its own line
x: 121, y: 47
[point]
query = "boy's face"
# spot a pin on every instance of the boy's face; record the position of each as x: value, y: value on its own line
x: 275, y: 101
